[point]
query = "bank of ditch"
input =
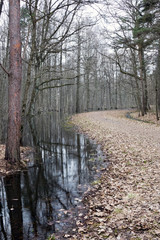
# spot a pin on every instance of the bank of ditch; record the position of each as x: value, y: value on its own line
x: 124, y: 203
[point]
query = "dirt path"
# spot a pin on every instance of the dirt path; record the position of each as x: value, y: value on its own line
x: 125, y: 203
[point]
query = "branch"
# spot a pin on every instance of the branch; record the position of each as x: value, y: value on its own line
x: 4, y: 69
x: 59, y: 78
x: 57, y: 86
x: 124, y: 72
x: 117, y: 61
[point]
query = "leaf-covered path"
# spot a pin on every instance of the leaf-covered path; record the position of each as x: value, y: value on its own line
x: 125, y: 202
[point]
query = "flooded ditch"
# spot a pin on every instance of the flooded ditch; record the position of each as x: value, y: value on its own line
x: 35, y: 203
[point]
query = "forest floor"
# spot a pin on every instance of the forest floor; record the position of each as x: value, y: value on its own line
x: 124, y: 203
x: 6, y: 168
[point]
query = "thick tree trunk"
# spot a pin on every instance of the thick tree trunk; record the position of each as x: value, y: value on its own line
x: 143, y: 80
x: 14, y: 86
x: 138, y: 95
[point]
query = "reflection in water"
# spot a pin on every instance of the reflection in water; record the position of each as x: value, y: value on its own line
x: 32, y: 201
x: 14, y: 204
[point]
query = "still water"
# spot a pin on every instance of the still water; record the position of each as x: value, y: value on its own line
x: 33, y: 203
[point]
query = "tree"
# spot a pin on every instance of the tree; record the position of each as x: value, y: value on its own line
x: 78, y: 70
x: 1, y: 5
x: 12, y: 153
x: 157, y: 83
x: 131, y: 40
x: 151, y: 9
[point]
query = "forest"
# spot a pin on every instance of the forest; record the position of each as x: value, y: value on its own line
x: 60, y: 58
x: 84, y: 56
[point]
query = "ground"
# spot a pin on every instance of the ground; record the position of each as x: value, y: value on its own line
x: 124, y: 204
x: 6, y: 168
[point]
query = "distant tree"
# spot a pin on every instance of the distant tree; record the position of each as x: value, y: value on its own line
x: 78, y: 70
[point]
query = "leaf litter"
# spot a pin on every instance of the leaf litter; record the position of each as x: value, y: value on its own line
x: 125, y: 202
x: 7, y: 168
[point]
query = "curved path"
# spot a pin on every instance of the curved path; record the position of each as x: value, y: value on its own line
x: 125, y: 202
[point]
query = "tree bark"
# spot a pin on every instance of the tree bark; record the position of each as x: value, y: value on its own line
x: 12, y: 152
x: 158, y: 77
x: 143, y: 79
x: 157, y: 115
x: 78, y: 71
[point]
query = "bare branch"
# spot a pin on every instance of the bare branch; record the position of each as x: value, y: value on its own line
x: 4, y: 69
x: 57, y: 86
x: 58, y: 78
x: 124, y: 72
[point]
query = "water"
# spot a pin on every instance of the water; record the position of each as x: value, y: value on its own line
x: 34, y: 203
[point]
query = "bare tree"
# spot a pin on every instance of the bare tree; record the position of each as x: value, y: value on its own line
x: 78, y: 71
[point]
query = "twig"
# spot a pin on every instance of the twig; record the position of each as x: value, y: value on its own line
x: 4, y: 69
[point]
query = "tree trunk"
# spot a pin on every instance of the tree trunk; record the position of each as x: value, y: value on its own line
x: 14, y: 86
x: 158, y: 77
x: 116, y: 89
x: 87, y: 90
x: 143, y: 80
x: 25, y: 105
x: 78, y: 71
x: 138, y: 95
x: 157, y: 116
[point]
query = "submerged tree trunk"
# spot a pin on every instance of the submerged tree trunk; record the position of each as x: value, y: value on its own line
x: 14, y: 86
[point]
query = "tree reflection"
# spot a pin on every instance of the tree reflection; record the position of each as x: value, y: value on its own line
x: 13, y: 193
x: 3, y: 234
x: 50, y: 186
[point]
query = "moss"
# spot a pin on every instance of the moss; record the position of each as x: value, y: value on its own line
x: 105, y: 236
x: 96, y: 182
x: 51, y: 238
x: 67, y: 124
x: 118, y: 210
x: 92, y: 160
x: 131, y: 195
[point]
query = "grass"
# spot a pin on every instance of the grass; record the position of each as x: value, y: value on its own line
x: 51, y: 237
x: 96, y: 182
